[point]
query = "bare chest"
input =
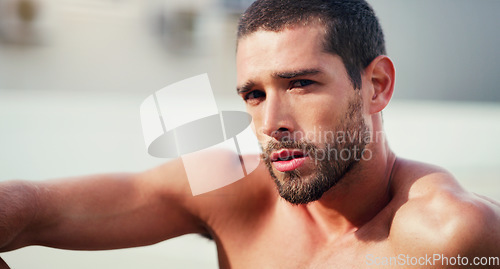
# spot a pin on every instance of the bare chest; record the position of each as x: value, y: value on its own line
x: 296, y: 253
x: 294, y: 245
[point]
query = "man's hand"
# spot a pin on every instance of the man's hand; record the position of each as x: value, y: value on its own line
x: 17, y: 210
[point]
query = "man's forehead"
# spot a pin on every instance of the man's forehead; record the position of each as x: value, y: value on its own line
x: 306, y: 23
x: 284, y: 51
x: 269, y: 55
x: 298, y: 31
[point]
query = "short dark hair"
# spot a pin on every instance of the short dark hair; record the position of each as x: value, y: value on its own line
x: 352, y: 29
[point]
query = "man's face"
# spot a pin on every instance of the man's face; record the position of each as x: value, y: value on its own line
x: 307, y: 116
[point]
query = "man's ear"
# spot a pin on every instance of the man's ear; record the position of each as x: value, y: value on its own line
x: 381, y: 73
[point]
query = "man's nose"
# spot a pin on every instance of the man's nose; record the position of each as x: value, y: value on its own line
x: 277, y: 118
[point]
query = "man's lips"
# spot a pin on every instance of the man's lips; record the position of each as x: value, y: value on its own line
x: 286, y: 154
x: 287, y: 159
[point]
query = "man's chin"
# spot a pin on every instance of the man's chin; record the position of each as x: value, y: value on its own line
x: 300, y: 190
x: 301, y: 199
x: 300, y: 186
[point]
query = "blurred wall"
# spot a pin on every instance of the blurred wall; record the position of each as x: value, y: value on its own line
x: 104, y: 45
x: 443, y: 49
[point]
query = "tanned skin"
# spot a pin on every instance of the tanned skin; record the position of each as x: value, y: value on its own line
x: 382, y: 207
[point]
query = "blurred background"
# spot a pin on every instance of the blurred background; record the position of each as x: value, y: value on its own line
x: 73, y: 74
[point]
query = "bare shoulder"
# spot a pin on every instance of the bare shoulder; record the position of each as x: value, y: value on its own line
x: 239, y: 205
x: 434, y: 214
x: 236, y: 201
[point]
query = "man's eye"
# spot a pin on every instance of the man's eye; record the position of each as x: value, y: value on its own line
x: 301, y: 83
x: 254, y: 95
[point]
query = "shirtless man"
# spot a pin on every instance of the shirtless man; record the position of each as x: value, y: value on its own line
x: 309, y: 71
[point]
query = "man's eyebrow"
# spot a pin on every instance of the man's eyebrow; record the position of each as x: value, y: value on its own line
x: 284, y: 75
x: 245, y: 88
x: 296, y: 73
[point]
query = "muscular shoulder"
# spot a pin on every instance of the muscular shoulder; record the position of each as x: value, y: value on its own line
x: 239, y: 204
x: 436, y: 215
x: 223, y: 201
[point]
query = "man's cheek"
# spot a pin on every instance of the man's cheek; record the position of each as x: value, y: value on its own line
x: 263, y: 140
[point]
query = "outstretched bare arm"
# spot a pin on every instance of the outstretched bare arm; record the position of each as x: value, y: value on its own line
x: 98, y: 212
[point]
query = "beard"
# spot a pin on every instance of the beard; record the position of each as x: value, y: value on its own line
x: 332, y: 160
